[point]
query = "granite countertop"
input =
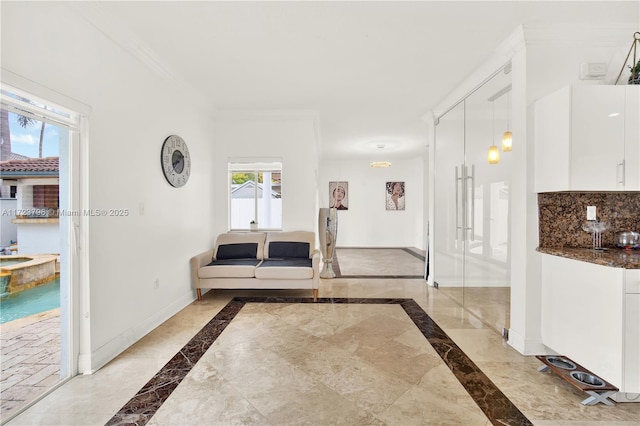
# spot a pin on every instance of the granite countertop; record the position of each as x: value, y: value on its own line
x: 614, y: 257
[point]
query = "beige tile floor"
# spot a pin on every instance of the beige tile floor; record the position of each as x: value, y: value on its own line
x: 231, y: 384
x: 491, y: 305
x: 379, y: 261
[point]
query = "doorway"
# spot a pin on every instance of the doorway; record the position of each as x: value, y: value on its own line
x: 39, y: 191
x: 472, y: 257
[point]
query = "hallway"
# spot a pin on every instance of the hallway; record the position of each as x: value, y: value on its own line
x: 342, y: 361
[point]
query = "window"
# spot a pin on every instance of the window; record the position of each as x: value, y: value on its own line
x: 46, y: 197
x: 255, y: 194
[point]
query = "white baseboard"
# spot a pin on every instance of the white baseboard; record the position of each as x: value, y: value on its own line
x: 626, y: 397
x: 526, y: 346
x: 90, y: 363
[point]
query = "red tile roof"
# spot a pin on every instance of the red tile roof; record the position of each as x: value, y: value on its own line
x: 48, y: 166
x: 14, y: 156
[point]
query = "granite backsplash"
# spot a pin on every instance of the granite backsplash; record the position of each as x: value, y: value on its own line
x: 562, y: 214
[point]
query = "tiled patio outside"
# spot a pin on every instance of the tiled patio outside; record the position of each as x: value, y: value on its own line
x: 30, y: 359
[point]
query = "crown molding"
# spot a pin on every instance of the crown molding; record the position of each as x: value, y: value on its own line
x: 596, y: 35
x: 267, y: 115
x: 97, y: 15
x: 512, y: 44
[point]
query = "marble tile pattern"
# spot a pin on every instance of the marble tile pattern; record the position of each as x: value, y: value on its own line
x: 490, y: 305
x: 562, y: 214
x: 498, y: 408
x: 230, y: 384
x: 386, y: 262
x: 370, y: 405
x: 146, y: 402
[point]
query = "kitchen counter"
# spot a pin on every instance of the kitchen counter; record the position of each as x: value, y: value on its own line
x: 614, y: 257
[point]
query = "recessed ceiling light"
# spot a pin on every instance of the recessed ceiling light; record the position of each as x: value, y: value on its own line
x: 380, y: 164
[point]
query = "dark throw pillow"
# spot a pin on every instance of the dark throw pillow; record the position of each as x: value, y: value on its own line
x: 237, y: 251
x: 284, y: 249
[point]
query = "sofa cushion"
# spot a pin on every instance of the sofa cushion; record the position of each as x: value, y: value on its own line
x: 290, y: 237
x: 285, y: 269
x: 234, y: 262
x: 229, y: 268
x: 288, y: 249
x: 241, y: 238
x: 237, y: 251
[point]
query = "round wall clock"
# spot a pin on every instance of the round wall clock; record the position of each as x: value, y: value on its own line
x: 175, y: 160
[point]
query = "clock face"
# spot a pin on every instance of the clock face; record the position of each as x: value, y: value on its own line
x: 175, y: 160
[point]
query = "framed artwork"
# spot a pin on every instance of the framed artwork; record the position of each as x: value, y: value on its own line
x: 394, y: 195
x: 339, y: 195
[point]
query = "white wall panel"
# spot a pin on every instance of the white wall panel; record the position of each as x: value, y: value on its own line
x: 367, y: 223
x: 133, y: 110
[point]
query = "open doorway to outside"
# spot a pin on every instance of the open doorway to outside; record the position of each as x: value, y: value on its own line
x: 37, y: 247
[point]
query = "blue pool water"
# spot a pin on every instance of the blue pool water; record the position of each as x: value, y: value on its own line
x: 9, y: 262
x: 29, y: 302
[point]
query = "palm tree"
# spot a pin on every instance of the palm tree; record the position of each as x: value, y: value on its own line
x: 25, y: 122
x: 5, y: 142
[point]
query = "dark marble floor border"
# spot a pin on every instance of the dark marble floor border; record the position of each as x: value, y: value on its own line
x: 495, y: 405
x: 335, y: 264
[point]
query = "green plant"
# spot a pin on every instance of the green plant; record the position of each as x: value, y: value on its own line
x: 635, y: 70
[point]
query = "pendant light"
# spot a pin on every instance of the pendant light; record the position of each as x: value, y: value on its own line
x: 507, y: 138
x: 493, y: 156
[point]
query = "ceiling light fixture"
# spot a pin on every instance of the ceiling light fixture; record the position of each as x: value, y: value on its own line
x: 380, y: 164
x: 493, y: 156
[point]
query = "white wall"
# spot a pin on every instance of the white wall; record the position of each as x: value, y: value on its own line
x: 367, y: 223
x: 288, y: 136
x: 133, y: 110
x: 9, y: 231
x: 37, y: 238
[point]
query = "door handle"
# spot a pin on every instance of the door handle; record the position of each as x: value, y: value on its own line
x: 620, y: 171
x: 471, y: 213
x: 74, y: 236
x: 457, y: 179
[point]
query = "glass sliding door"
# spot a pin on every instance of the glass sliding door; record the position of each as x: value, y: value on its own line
x: 449, y: 211
x: 471, y: 209
x: 487, y: 266
x: 39, y: 197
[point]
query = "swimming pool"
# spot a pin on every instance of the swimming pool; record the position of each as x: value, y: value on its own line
x: 9, y: 262
x: 30, y: 302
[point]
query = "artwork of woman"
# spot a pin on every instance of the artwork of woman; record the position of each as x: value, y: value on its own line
x: 338, y: 195
x: 395, y: 195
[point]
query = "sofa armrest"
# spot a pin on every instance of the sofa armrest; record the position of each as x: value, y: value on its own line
x: 315, y: 264
x: 315, y: 259
x: 197, y: 262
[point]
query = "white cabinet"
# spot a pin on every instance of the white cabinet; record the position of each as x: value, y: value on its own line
x: 588, y: 316
x: 588, y: 139
x: 632, y: 331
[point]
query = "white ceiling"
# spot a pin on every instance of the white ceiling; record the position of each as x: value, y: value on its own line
x: 370, y: 70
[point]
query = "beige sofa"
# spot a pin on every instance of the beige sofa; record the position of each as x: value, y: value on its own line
x: 259, y: 260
